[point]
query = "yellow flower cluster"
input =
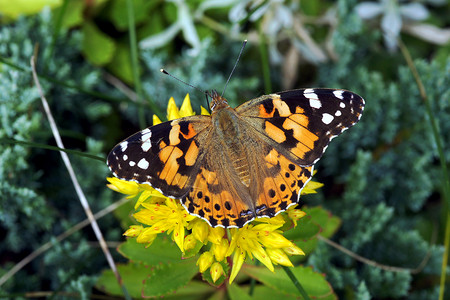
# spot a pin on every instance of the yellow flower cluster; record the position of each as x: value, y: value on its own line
x: 261, y: 239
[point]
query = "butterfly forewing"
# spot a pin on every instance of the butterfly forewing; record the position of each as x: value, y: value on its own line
x: 301, y: 123
x: 165, y: 155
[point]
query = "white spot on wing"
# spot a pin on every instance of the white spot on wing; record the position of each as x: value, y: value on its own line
x: 327, y: 118
x: 125, y: 157
x: 146, y: 145
x: 124, y: 146
x: 314, y: 101
x: 146, y: 135
x: 338, y: 94
x: 132, y: 163
x: 143, y: 164
x: 338, y: 113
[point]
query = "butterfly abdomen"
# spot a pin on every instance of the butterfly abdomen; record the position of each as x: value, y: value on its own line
x: 231, y: 133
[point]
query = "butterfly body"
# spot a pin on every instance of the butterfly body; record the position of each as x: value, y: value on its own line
x: 239, y: 163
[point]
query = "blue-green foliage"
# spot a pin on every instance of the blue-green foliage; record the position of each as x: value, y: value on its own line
x: 19, y: 200
x: 388, y: 181
x: 37, y: 199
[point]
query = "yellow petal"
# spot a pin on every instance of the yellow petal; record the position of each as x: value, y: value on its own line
x: 220, y: 250
x: 293, y: 250
x: 216, y: 235
x: 147, y: 236
x: 144, y: 196
x: 295, y: 214
x: 238, y: 260
x: 189, y: 242
x: 274, y: 240
x: 205, y: 261
x: 156, y: 120
x: 172, y: 110
x: 263, y: 257
x: 279, y: 257
x: 123, y: 186
x: 204, y: 111
x: 216, y: 271
x: 200, y: 230
x: 310, y: 187
x: 186, y: 108
x: 133, y: 231
x: 178, y: 236
x: 145, y: 216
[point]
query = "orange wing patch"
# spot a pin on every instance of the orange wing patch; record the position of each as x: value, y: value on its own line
x: 215, y: 203
x: 282, y: 189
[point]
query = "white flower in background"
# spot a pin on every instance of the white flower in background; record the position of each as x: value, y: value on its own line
x: 397, y: 15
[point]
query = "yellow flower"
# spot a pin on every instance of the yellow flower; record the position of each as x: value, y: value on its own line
x: 249, y: 241
x: 261, y: 239
x: 171, y: 217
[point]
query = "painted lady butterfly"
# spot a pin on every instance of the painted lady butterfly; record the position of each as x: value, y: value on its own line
x: 242, y: 163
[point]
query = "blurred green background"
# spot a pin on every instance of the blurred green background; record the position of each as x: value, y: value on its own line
x: 383, y: 178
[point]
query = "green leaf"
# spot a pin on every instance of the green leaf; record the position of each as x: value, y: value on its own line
x: 132, y: 275
x: 73, y: 14
x: 314, y: 283
x: 263, y: 292
x: 162, y: 250
x: 327, y: 222
x: 168, y: 278
x: 120, y: 64
x: 192, y: 291
x: 331, y: 227
x: 305, y: 230
x: 236, y: 293
x: 118, y: 12
x: 317, y: 221
x: 98, y: 48
x: 18, y: 7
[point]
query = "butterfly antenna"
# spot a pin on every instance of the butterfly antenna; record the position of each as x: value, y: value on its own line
x: 192, y: 86
x: 235, y: 64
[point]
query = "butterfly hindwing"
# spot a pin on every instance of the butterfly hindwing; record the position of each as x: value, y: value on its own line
x: 281, y: 188
x: 301, y: 123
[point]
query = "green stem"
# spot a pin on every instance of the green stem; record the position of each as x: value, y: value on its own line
x: 445, y: 258
x: 265, y: 64
x: 296, y: 283
x: 445, y: 177
x: 134, y: 60
x: 56, y: 30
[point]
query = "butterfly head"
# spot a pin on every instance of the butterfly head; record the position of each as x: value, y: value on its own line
x: 217, y: 101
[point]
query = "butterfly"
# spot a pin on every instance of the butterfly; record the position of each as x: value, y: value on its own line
x: 239, y: 163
